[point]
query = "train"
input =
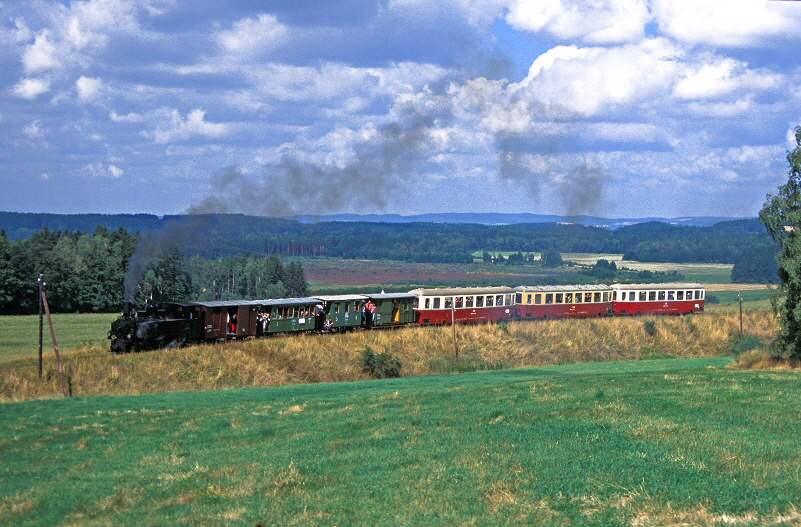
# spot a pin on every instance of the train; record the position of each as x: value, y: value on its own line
x: 174, y: 324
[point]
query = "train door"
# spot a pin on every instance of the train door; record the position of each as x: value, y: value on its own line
x: 246, y: 321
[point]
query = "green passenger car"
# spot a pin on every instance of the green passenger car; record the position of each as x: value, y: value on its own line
x: 393, y: 309
x: 344, y: 311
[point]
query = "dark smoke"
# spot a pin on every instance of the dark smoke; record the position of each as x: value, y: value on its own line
x: 582, y: 193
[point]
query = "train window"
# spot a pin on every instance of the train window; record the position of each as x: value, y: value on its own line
x: 499, y: 300
x: 689, y: 295
x: 489, y: 301
x: 651, y: 295
x: 671, y: 295
x: 538, y: 298
x: 507, y: 300
x: 679, y: 295
x: 606, y: 296
x: 560, y: 298
x: 459, y: 301
x: 549, y: 298
x: 436, y: 303
x: 643, y: 296
x: 568, y: 298
x: 468, y: 301
x: 698, y: 294
x: 596, y: 297
x: 427, y: 303
x: 528, y: 299
x: 587, y: 297
x: 448, y: 302
x: 661, y: 295
x: 347, y: 307
x: 479, y: 301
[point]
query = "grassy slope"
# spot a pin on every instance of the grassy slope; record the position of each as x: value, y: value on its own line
x: 649, y: 442
x: 19, y: 336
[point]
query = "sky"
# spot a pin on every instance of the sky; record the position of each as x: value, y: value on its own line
x: 614, y: 108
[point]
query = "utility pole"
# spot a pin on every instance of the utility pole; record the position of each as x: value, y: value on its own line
x: 740, y: 296
x: 41, y: 321
x: 55, y: 345
x: 453, y: 325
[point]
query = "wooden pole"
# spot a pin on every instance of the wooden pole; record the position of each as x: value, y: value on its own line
x: 41, y: 321
x: 740, y: 296
x: 55, y: 345
x: 453, y: 325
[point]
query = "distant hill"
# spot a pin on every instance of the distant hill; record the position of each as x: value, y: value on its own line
x: 21, y: 225
x: 493, y: 218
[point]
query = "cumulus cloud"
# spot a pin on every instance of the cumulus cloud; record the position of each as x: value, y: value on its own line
x: 253, y: 36
x: 88, y: 88
x: 195, y: 125
x: 600, y: 22
x: 31, y: 88
x: 735, y: 23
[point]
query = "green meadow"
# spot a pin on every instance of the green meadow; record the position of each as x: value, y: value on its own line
x: 19, y: 335
x: 662, y: 442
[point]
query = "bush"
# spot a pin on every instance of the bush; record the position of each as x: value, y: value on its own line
x: 650, y: 327
x: 380, y: 365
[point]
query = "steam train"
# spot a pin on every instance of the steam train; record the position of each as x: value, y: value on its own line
x: 175, y: 324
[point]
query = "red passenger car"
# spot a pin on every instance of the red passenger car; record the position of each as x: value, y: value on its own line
x: 563, y: 301
x: 465, y: 305
x: 658, y: 299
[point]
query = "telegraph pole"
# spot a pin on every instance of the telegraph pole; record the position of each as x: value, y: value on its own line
x: 41, y: 321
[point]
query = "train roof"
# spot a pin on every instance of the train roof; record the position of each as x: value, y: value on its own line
x: 390, y: 296
x: 561, y: 288
x: 341, y: 298
x: 463, y: 291
x: 672, y: 285
x: 259, y: 302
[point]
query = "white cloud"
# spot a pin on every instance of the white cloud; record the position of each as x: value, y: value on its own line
x: 41, y: 55
x: 130, y: 117
x: 726, y: 22
x: 31, y: 88
x: 33, y: 131
x: 598, y: 22
x: 254, y: 36
x: 115, y: 172
x: 88, y: 88
x: 193, y: 126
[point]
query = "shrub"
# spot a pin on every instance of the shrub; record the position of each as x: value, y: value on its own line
x: 650, y: 327
x: 380, y: 365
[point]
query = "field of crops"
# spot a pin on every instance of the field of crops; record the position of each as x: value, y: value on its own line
x: 676, y: 442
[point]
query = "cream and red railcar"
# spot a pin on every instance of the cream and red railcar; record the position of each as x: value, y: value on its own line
x: 563, y: 301
x: 465, y: 305
x: 658, y: 299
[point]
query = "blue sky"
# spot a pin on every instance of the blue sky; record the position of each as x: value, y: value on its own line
x: 617, y: 108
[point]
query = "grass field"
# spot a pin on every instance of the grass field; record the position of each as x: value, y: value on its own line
x: 676, y: 442
x: 19, y: 336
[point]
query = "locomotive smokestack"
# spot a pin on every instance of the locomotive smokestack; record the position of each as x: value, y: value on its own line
x: 127, y: 309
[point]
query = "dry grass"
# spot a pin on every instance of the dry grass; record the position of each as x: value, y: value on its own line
x: 423, y: 351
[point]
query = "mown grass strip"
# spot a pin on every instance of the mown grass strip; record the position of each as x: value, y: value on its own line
x: 645, y: 442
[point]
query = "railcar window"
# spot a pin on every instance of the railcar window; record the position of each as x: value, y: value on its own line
x: 698, y: 294
x: 587, y: 297
x: 671, y: 295
x: 489, y: 301
x: 538, y: 298
x: 560, y: 298
x: 468, y: 301
x: 479, y: 301
x: 568, y: 298
x: 448, y: 302
x: 596, y: 297
x: 436, y: 303
x: 507, y: 299
x: 499, y: 300
x: 642, y: 296
x: 459, y: 301
x: 661, y: 295
x: 651, y: 295
x: 347, y: 307
x: 336, y: 307
x: 549, y: 298
x: 578, y: 298
x: 606, y: 296
x: 528, y: 299
x: 679, y: 295
x: 426, y: 303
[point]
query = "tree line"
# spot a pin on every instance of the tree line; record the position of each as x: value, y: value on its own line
x: 86, y: 273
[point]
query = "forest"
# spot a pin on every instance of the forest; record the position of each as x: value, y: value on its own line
x: 88, y: 257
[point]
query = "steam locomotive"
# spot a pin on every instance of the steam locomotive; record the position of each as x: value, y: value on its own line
x: 175, y: 324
